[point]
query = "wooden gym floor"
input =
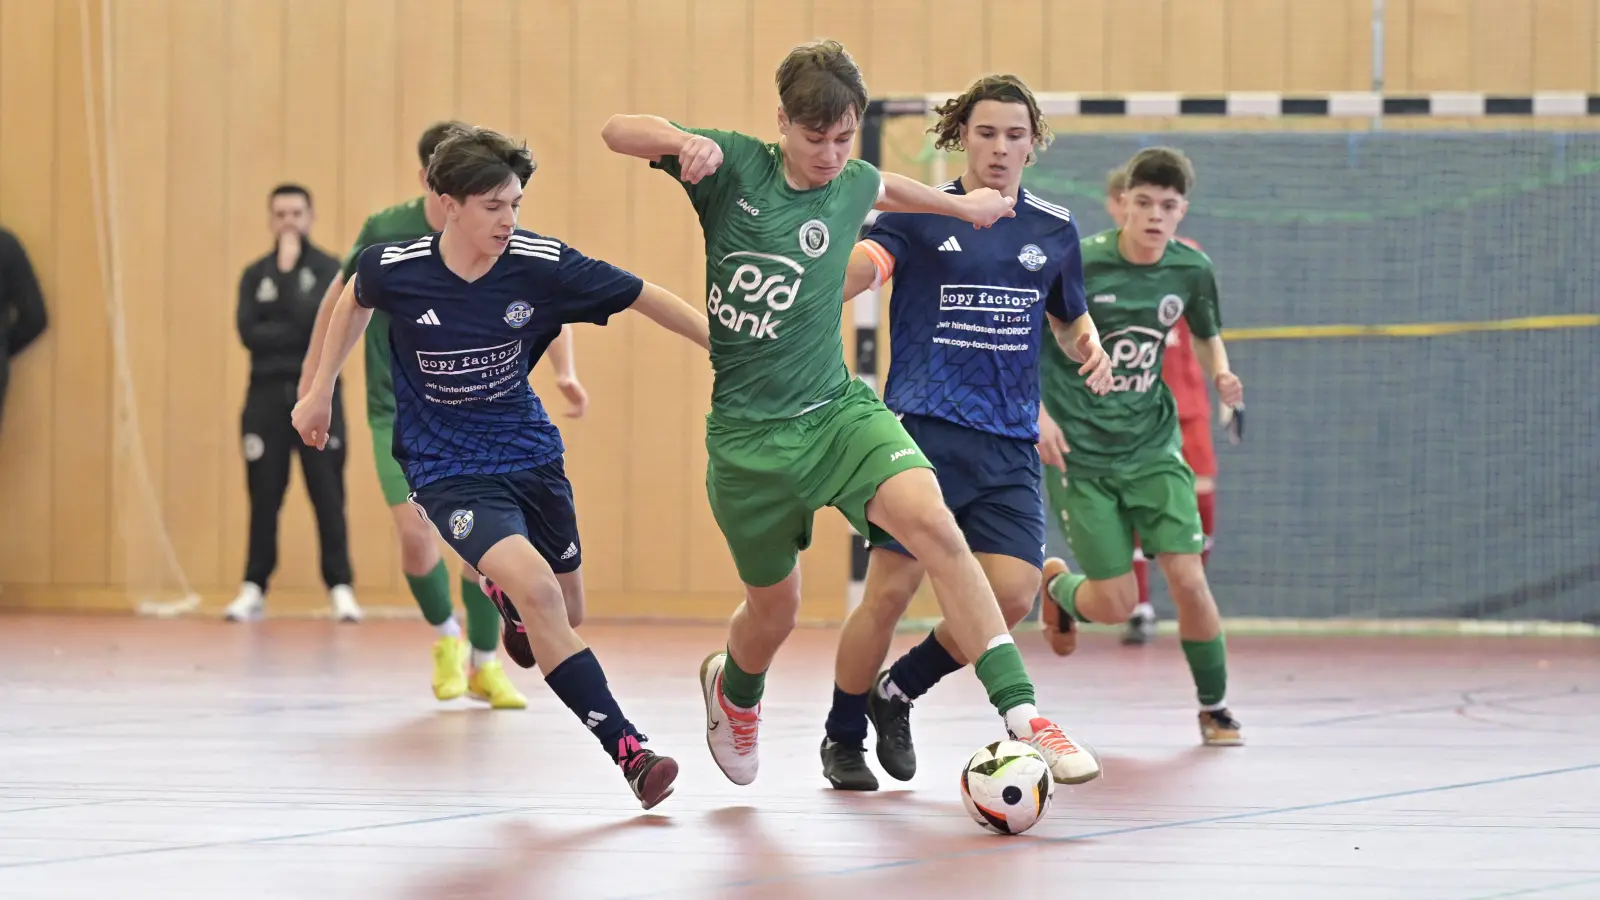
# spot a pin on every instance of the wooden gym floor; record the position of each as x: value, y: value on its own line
x: 302, y: 759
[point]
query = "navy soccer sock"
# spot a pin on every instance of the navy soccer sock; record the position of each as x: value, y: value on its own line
x: 581, y: 684
x: 921, y: 668
x: 847, y: 720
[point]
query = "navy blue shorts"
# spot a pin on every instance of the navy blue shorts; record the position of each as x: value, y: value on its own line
x: 475, y: 512
x: 993, y: 484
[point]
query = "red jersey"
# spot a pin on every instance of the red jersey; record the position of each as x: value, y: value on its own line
x: 1180, y: 369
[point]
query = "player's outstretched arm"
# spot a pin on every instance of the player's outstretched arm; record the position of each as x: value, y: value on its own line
x: 982, y: 207
x: 313, y: 413
x: 652, y: 137
x: 671, y: 312
x: 870, y: 266
x: 1213, y: 358
x: 1080, y: 341
x: 563, y: 357
x: 319, y: 330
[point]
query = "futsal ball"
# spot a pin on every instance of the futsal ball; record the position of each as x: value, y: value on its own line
x: 1007, y: 787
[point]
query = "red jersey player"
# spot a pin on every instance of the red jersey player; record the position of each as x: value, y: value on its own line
x: 1181, y: 372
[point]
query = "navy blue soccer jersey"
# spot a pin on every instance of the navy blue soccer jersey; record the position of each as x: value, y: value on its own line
x: 967, y: 312
x: 460, y: 351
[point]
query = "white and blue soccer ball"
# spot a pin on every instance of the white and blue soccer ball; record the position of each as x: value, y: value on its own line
x: 1006, y: 787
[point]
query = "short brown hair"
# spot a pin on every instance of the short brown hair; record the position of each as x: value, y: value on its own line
x: 1116, y: 181
x: 819, y: 84
x: 472, y: 160
x: 1161, y: 167
x: 432, y: 137
x: 1006, y: 89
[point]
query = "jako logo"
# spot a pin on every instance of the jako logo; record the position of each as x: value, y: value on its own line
x: 751, y: 285
x: 900, y: 453
x: 745, y: 205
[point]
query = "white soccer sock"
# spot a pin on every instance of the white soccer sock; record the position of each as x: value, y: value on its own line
x: 1213, y: 707
x: 1019, y: 719
x: 449, y: 628
x: 481, y: 658
x: 1145, y: 610
x: 888, y: 690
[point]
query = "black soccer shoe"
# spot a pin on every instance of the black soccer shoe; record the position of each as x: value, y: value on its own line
x: 650, y: 775
x: 845, y: 766
x: 891, y: 718
x: 512, y: 635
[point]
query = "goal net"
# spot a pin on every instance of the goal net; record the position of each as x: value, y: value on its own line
x: 1410, y: 295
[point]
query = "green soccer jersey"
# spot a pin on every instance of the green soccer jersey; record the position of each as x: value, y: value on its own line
x: 1133, y: 308
x: 400, y: 222
x: 775, y: 267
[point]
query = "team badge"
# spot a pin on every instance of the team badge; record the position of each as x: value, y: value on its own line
x: 308, y: 281
x: 266, y: 291
x: 518, y: 314
x: 460, y: 523
x: 1170, y: 309
x: 254, y: 447
x: 1032, y: 258
x: 814, y: 238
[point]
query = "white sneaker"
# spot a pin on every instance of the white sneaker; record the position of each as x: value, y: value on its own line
x: 730, y: 733
x: 343, y: 600
x: 247, y: 606
x: 1071, y: 762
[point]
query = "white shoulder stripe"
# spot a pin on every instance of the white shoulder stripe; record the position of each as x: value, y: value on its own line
x: 1046, y: 204
x: 391, y: 258
x: 533, y: 241
x: 1046, y: 208
x: 551, y: 255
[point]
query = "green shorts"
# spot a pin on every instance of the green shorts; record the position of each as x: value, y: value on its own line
x: 391, y: 477
x: 1100, y: 514
x: 766, y: 480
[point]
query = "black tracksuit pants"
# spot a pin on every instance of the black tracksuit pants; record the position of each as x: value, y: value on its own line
x: 270, y: 442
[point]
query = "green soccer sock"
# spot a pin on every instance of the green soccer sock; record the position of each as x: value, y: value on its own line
x: 742, y: 688
x: 483, y: 617
x: 433, y: 594
x: 1064, y: 591
x: 1208, y: 662
x: 1004, y: 677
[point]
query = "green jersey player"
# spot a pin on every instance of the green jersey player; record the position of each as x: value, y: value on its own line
x: 456, y: 669
x: 790, y: 431
x: 1124, y: 473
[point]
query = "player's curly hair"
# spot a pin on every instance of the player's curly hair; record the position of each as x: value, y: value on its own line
x: 819, y: 85
x: 473, y: 160
x: 955, y: 112
x: 1165, y: 167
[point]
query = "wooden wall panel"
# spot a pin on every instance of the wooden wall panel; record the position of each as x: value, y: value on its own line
x: 199, y: 300
x: 215, y: 102
x: 141, y: 53
x: 1564, y: 44
x: 602, y: 441
x: 27, y: 209
x: 655, y: 400
x: 81, y: 437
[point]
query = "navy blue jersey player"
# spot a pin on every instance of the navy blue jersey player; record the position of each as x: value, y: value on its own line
x: 966, y: 318
x: 471, y: 309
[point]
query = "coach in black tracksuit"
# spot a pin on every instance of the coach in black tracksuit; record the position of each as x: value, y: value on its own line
x: 278, y: 298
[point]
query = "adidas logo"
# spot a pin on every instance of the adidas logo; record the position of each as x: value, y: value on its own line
x: 950, y: 244
x: 428, y: 318
x: 593, y: 719
x: 572, y: 550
